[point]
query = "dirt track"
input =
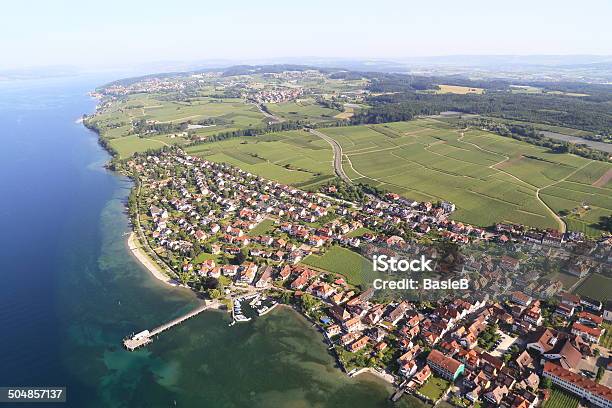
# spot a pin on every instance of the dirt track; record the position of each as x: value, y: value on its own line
x: 603, y: 180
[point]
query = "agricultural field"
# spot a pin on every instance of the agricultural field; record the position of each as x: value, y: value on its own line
x: 525, y: 89
x: 356, y: 269
x: 461, y: 90
x: 489, y: 177
x: 302, y: 109
x: 535, y: 90
x: 596, y: 286
x: 293, y: 157
x: 561, y: 399
x: 116, y: 121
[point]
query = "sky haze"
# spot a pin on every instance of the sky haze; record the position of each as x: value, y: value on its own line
x: 120, y: 33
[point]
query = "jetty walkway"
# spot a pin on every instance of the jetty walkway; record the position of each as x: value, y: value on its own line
x: 145, y: 337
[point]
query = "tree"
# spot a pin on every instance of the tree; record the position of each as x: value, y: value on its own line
x: 600, y: 374
x: 223, y: 281
x: 240, y: 257
x: 286, y: 297
x: 605, y: 223
x: 308, y: 301
x: 546, y: 383
x: 184, y: 277
x: 214, y: 293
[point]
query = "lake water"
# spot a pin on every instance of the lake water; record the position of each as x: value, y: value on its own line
x: 71, y: 291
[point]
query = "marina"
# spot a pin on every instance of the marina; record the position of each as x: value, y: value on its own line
x: 245, y: 308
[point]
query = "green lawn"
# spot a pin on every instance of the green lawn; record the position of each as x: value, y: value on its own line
x: 561, y: 399
x: 596, y: 286
x: 359, y: 232
x: 350, y: 264
x: 565, y: 278
x: 434, y: 388
x: 203, y: 256
x: 262, y: 228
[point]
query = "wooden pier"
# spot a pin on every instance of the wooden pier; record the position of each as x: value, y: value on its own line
x: 397, y: 395
x: 145, y: 337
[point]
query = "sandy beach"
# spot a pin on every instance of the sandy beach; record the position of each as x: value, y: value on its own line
x: 151, y: 266
x: 375, y: 373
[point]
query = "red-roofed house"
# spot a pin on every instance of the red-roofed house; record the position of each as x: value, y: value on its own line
x: 446, y: 367
x: 590, y: 334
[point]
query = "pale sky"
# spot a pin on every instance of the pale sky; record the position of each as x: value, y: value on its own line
x: 113, y: 33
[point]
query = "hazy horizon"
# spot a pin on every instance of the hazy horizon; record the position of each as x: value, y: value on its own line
x: 123, y: 34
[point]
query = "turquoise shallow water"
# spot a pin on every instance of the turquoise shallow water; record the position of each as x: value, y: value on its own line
x: 71, y: 291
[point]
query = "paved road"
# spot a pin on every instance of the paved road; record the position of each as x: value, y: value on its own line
x: 337, y: 155
x: 273, y: 118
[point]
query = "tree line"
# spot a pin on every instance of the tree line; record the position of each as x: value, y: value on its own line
x: 529, y: 134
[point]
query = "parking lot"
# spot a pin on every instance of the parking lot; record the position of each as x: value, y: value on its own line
x: 504, y: 344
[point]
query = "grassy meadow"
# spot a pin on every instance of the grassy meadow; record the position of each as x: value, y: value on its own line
x: 356, y: 269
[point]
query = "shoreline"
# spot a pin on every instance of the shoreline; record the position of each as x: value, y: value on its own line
x: 155, y: 270
x: 374, y: 373
x: 368, y: 373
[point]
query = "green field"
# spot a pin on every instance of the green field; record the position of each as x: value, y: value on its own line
x: 561, y: 399
x: 203, y: 256
x: 302, y: 109
x: 293, y: 157
x: 115, y: 122
x: 490, y: 178
x: 596, y: 286
x: 356, y: 269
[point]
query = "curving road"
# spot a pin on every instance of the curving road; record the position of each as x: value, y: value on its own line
x: 337, y: 154
x: 266, y: 113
